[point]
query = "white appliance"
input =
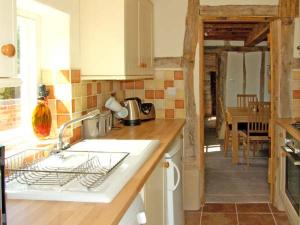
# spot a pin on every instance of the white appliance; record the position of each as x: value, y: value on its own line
x: 175, y: 214
x: 135, y: 214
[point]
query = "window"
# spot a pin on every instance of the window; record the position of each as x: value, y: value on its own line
x: 16, y: 104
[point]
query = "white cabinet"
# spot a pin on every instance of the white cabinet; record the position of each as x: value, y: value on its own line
x: 155, y: 196
x: 146, y: 37
x: 158, y: 194
x: 116, y: 39
x: 7, y: 36
x: 297, y: 38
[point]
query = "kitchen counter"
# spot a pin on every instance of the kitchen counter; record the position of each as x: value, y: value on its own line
x: 28, y: 212
x: 286, y: 124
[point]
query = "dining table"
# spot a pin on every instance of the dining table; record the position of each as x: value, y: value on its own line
x: 236, y: 115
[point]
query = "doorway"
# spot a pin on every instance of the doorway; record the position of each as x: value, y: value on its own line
x: 226, y: 182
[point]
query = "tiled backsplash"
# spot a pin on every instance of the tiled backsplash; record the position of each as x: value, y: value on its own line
x: 70, y: 97
x: 296, y: 93
x: 165, y: 91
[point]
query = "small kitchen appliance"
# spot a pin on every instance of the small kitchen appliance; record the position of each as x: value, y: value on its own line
x: 133, y: 117
x: 138, y: 111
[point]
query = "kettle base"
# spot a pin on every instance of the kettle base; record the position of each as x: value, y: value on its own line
x: 131, y: 122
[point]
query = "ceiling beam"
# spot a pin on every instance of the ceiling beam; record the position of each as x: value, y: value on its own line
x: 258, y: 34
x: 239, y: 10
x: 218, y: 49
x: 288, y: 8
x: 226, y: 38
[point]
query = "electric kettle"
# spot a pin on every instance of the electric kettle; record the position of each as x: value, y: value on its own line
x: 133, y: 107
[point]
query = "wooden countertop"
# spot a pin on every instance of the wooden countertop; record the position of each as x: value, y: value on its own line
x: 27, y: 212
x: 286, y: 124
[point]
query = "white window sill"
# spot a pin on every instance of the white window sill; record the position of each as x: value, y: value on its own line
x: 10, y: 82
x: 15, y: 141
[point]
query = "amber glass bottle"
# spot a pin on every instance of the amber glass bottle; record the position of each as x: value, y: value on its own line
x: 41, y: 115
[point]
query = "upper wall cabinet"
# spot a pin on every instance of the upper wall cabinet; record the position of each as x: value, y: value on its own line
x: 116, y: 39
x: 7, y: 38
x: 297, y: 38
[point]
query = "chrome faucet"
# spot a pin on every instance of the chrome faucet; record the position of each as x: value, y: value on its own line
x: 60, y: 144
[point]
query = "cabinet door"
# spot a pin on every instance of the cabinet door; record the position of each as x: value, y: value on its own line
x: 146, y: 36
x: 154, y: 196
x: 297, y: 38
x: 132, y: 41
x: 102, y: 37
x: 7, y: 35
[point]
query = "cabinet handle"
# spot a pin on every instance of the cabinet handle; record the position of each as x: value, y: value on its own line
x: 143, y: 65
x: 166, y: 164
x: 8, y: 50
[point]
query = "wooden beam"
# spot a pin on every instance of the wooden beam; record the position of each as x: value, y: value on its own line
x: 201, y: 110
x: 234, y: 19
x: 262, y: 77
x: 275, y: 31
x: 259, y: 34
x: 191, y: 140
x: 286, y: 50
x: 168, y: 62
x: 288, y: 8
x: 225, y: 37
x: 235, y: 49
x: 244, y: 73
x: 239, y: 10
x: 229, y: 25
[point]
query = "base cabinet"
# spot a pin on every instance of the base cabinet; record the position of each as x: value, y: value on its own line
x: 155, y: 195
x: 163, y: 189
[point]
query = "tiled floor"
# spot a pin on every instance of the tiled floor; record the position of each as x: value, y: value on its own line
x: 236, y: 214
x: 226, y: 182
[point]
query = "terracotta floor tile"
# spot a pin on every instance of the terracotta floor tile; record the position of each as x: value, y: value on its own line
x: 219, y: 208
x: 253, y: 208
x: 281, y: 219
x: 275, y: 210
x: 192, y: 217
x: 256, y: 219
x: 219, y: 219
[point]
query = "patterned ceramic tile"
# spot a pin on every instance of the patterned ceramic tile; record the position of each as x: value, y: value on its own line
x: 170, y: 104
x: 178, y: 75
x: 169, y: 75
x: 159, y: 94
x: 63, y: 77
x: 139, y: 84
x: 75, y: 76
x: 169, y: 113
x: 149, y: 85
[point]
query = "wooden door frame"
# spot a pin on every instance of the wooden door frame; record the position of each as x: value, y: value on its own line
x: 202, y: 20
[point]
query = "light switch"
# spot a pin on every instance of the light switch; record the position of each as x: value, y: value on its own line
x: 171, y: 91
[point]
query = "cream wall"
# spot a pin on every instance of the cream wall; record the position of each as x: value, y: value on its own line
x: 169, y: 27
x: 234, y: 81
x: 70, y: 7
x: 59, y: 31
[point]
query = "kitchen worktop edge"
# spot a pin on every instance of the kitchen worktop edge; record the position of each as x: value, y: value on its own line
x: 63, y: 213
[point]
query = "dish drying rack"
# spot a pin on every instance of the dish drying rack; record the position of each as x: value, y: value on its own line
x: 42, y: 167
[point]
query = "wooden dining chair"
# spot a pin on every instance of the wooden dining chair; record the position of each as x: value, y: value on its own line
x: 257, y: 127
x: 228, y: 128
x: 244, y: 99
